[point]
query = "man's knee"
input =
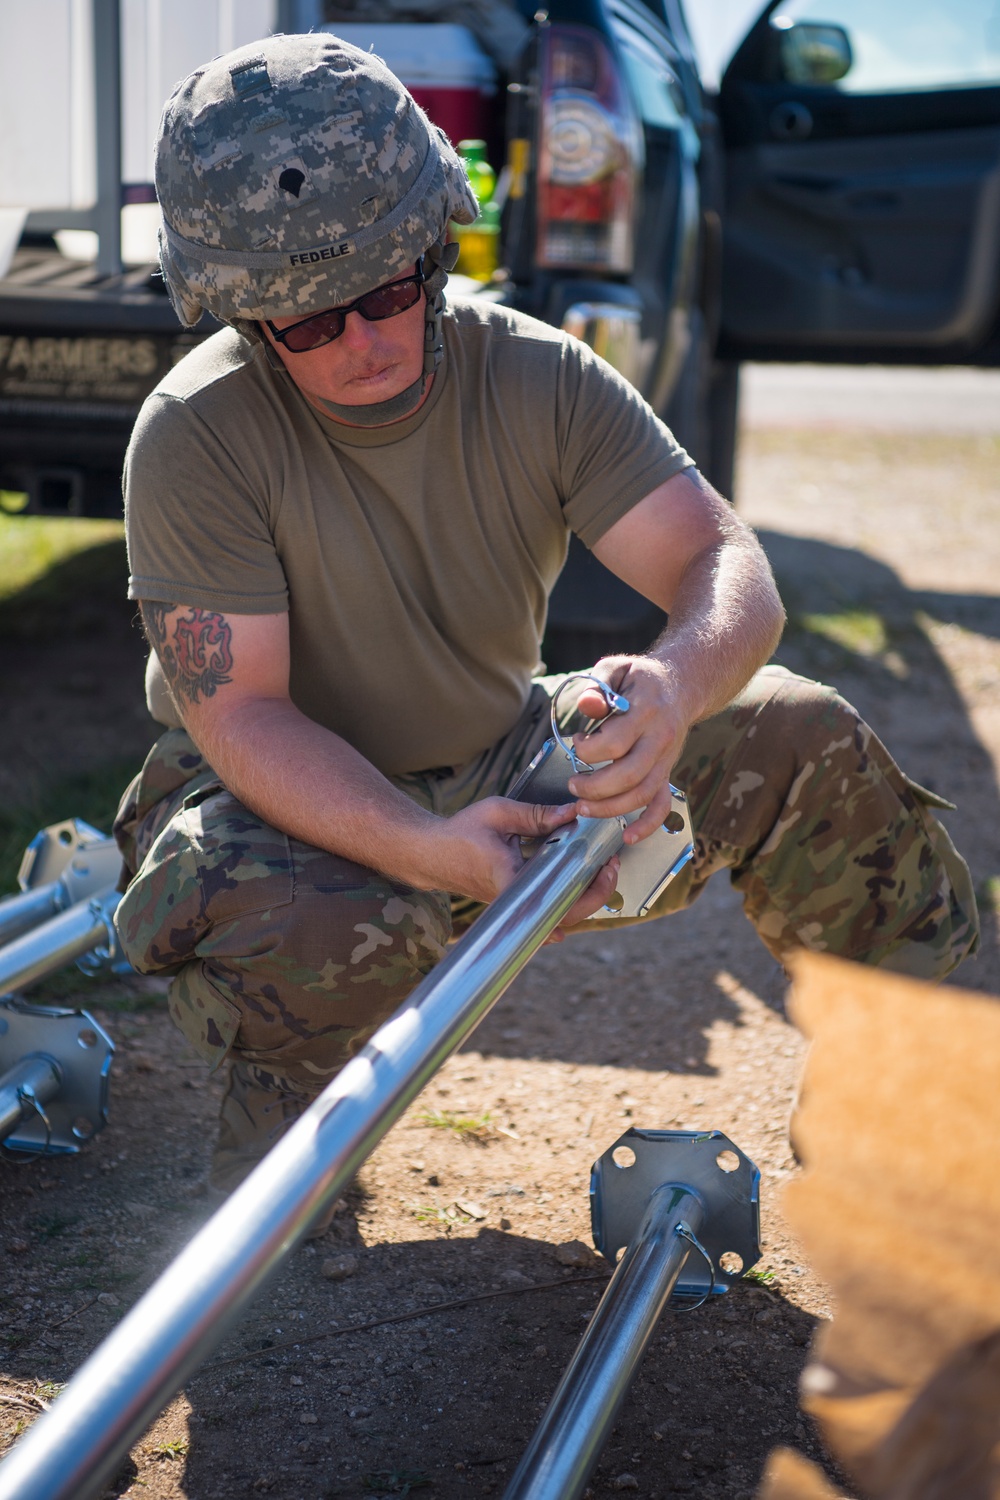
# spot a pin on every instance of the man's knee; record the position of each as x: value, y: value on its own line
x: 766, y: 757
x: 283, y: 953
x: 833, y: 847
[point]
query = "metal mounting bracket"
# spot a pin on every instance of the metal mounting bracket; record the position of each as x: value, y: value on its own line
x: 704, y: 1163
x: 83, y: 859
x: 80, y: 1051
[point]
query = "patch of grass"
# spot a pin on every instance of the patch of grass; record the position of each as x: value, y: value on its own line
x: 435, y: 1212
x: 760, y: 1277
x: 50, y: 560
x: 395, y: 1481
x: 468, y: 1127
x: 175, y: 1450
x: 48, y: 1390
x: 51, y: 1226
x: 859, y: 630
x: 988, y: 892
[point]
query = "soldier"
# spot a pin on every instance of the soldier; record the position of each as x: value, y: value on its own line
x: 345, y: 513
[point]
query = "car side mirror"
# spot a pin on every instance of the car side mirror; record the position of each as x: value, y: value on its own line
x: 812, y: 52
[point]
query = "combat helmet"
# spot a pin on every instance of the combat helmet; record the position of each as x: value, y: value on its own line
x: 295, y: 173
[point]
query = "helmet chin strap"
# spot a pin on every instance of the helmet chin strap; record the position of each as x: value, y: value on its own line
x: 436, y: 262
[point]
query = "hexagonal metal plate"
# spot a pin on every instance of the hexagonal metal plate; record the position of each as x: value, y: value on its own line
x: 82, y: 1051
x: 705, y: 1162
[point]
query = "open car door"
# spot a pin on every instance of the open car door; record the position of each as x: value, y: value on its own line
x: 863, y: 182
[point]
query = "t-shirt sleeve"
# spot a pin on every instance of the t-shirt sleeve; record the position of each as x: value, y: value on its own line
x: 196, y: 519
x: 613, y: 449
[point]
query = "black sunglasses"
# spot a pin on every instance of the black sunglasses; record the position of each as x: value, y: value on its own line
x: 322, y: 328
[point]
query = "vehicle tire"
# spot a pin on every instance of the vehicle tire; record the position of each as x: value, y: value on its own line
x: 722, y: 402
x: 593, y: 614
x: 703, y: 411
x: 686, y: 413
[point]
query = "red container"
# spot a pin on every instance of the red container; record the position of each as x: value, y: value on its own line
x: 463, y: 114
x: 442, y: 65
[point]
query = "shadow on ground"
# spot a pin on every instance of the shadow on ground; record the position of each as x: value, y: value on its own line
x: 738, y: 1358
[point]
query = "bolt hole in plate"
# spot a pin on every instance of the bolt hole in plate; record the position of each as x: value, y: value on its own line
x: 83, y: 1128
x: 674, y: 822
x: 87, y: 1037
x: 66, y: 836
x: 704, y: 1163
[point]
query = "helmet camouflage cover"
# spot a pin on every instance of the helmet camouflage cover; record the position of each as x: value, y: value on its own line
x: 296, y: 173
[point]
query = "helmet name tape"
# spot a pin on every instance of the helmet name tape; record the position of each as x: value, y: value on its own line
x: 325, y: 252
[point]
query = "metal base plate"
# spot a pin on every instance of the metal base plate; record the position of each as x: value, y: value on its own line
x: 704, y: 1162
x: 82, y: 1052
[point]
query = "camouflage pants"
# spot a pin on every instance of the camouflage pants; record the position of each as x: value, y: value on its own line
x: 288, y: 957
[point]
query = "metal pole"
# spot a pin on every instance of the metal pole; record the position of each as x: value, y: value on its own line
x: 73, y: 1449
x: 19, y: 913
x: 108, y: 130
x: 581, y: 1414
x: 32, y: 1080
x: 59, y: 941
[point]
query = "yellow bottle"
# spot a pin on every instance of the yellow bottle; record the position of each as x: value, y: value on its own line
x: 479, y: 243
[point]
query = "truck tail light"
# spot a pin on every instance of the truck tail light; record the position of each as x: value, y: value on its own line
x: 590, y: 155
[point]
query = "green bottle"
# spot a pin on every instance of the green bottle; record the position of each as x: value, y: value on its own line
x: 479, y: 243
x: 481, y: 174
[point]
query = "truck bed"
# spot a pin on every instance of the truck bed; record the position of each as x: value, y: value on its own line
x: 79, y: 353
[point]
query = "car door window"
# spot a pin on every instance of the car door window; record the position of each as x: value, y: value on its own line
x: 891, y: 45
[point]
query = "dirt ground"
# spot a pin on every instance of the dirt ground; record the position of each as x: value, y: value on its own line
x: 887, y: 551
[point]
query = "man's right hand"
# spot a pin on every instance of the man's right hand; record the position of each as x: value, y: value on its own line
x: 477, y: 852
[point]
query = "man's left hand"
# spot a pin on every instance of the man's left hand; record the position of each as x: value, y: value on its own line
x: 643, y: 743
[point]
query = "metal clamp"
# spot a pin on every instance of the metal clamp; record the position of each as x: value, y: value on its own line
x: 73, y: 1056
x: 616, y: 704
x: 28, y: 1102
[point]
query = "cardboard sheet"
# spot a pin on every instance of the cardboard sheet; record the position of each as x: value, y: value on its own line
x: 898, y: 1126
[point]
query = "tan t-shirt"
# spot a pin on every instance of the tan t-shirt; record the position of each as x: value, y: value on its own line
x: 415, y: 561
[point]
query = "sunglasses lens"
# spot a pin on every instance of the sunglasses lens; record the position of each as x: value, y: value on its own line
x: 384, y: 302
x: 387, y: 301
x: 315, y: 332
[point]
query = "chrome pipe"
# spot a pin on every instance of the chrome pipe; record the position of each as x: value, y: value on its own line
x: 72, y: 1450
x: 33, y: 1080
x: 581, y: 1414
x: 59, y: 941
x: 20, y: 913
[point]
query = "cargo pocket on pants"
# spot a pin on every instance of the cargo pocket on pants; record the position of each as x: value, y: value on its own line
x: 202, y: 1012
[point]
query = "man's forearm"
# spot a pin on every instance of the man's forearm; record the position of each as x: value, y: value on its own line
x: 725, y: 621
x: 308, y: 782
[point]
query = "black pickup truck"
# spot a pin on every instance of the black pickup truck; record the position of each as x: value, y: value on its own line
x: 837, y: 200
